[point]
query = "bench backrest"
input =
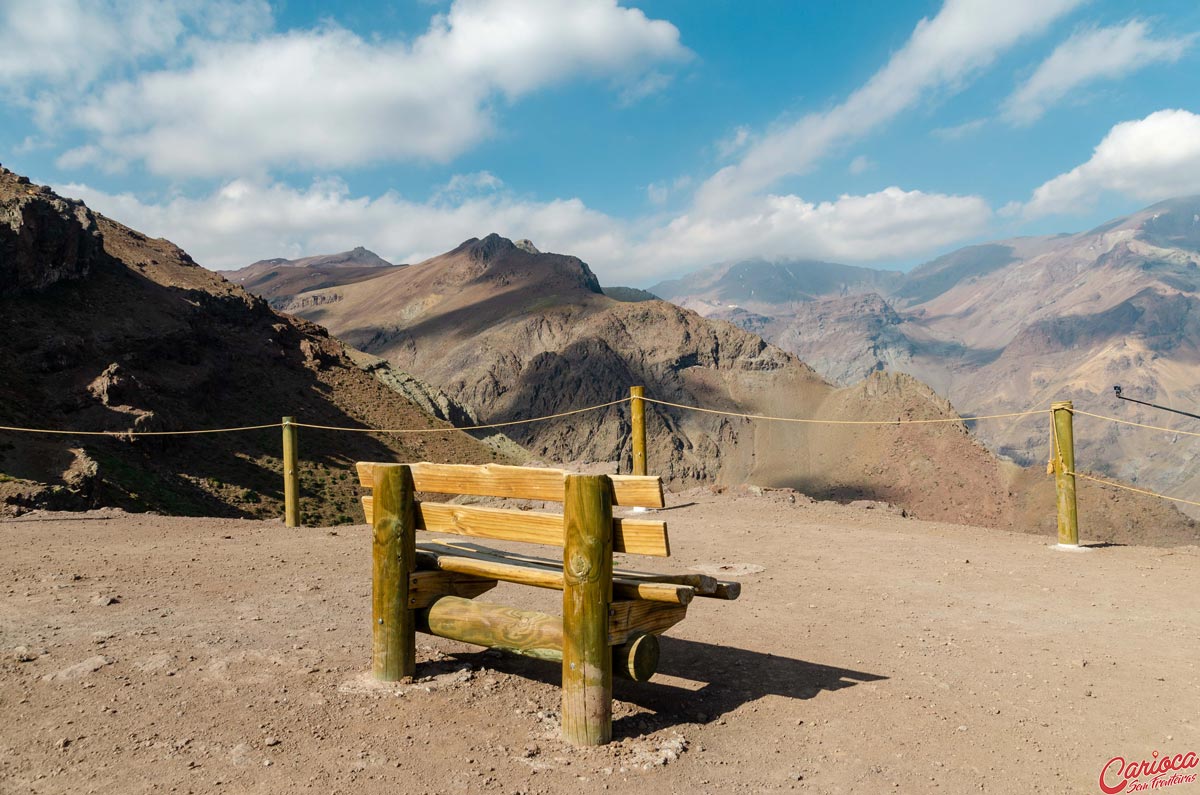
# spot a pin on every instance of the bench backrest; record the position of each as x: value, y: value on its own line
x: 632, y: 536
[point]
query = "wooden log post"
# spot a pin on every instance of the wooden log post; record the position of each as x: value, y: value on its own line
x: 637, y: 416
x: 291, y: 474
x: 1063, y: 436
x: 587, y: 665
x: 394, y: 643
x: 637, y: 658
x: 523, y: 632
x: 527, y: 633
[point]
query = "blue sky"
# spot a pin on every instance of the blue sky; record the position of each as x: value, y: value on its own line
x: 648, y: 138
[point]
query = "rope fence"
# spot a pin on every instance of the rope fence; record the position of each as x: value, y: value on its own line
x: 1136, y: 424
x: 1061, y: 464
x: 1131, y: 488
x: 814, y: 421
x: 128, y: 434
x: 466, y: 427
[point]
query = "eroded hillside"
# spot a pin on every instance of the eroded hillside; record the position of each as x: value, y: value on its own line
x: 106, y: 329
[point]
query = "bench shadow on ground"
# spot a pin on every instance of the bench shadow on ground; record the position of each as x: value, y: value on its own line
x: 719, y: 679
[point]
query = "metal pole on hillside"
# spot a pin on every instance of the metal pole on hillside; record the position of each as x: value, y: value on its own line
x: 1062, y: 434
x: 1120, y: 396
x: 291, y: 474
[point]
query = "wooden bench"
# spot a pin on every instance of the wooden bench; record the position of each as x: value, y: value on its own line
x: 611, y: 618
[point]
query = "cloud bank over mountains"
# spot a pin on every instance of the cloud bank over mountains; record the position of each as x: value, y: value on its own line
x: 1154, y: 158
x: 245, y: 127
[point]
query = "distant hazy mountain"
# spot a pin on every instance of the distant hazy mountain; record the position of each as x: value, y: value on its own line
x: 759, y: 285
x: 278, y: 279
x: 1013, y: 324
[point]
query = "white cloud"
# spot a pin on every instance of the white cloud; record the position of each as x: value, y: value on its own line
x: 462, y: 186
x: 735, y: 142
x: 889, y: 225
x: 69, y: 43
x: 960, y: 131
x: 1154, y: 158
x: 860, y: 165
x: 657, y: 193
x: 328, y: 98
x: 1087, y: 56
x: 246, y: 220
x: 965, y: 36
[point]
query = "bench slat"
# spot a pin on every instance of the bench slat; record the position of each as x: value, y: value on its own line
x: 525, y: 483
x: 632, y: 536
x: 496, y: 566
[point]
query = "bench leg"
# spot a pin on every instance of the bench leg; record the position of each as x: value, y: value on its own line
x: 393, y: 625
x: 587, y: 595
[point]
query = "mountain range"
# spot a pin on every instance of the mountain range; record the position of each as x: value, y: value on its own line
x: 1007, y: 326
x: 110, y: 330
x: 510, y: 333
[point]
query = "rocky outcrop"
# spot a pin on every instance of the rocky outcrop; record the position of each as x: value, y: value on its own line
x: 44, y: 239
x: 428, y: 398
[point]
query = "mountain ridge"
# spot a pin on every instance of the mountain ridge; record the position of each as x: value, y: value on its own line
x: 511, y: 335
x: 107, y: 329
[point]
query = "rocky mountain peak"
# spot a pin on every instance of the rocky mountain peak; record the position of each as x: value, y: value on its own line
x: 489, y: 248
x: 44, y: 238
x: 499, y: 260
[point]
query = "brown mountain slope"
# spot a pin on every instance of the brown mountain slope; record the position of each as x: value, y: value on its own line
x: 277, y: 280
x: 512, y: 334
x: 106, y: 329
x: 1071, y: 318
x: 1020, y: 323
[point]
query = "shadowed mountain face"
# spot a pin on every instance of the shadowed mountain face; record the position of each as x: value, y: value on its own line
x: 512, y: 334
x: 106, y: 329
x: 934, y: 278
x: 1020, y: 323
x: 279, y: 279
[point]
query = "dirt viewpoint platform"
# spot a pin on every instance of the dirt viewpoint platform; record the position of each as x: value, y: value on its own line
x: 869, y: 653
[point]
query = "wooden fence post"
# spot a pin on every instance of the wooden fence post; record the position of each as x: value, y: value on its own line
x: 393, y: 624
x: 1063, y: 436
x: 637, y: 415
x: 291, y: 474
x: 587, y: 596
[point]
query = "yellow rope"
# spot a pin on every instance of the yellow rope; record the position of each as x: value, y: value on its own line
x: 1131, y: 488
x: 1135, y: 424
x: 140, y: 433
x: 846, y: 422
x: 462, y: 427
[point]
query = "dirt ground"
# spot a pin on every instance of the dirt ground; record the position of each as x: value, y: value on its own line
x: 868, y: 653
